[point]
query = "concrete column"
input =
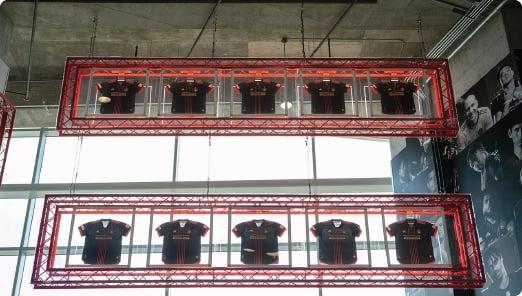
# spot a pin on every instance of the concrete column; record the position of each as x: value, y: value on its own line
x: 6, y: 31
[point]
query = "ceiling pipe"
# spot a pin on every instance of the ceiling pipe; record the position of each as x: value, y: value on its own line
x: 477, y: 28
x: 457, y: 30
x: 346, y: 10
x: 203, y: 28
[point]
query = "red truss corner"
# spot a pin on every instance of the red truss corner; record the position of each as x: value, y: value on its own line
x: 434, y: 115
x: 8, y: 111
x: 61, y: 211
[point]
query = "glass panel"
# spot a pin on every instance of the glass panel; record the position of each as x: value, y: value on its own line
x: 58, y: 160
x: 243, y: 158
x: 7, y: 268
x: 28, y: 290
x: 20, y: 161
x: 12, y: 212
x: 352, y: 158
x: 102, y: 159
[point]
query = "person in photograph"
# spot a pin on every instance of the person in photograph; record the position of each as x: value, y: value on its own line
x: 488, y: 165
x: 449, y: 168
x: 495, y: 225
x: 502, y: 283
x: 509, y: 95
x: 512, y: 162
x: 517, y: 213
x: 477, y: 120
x: 409, y: 166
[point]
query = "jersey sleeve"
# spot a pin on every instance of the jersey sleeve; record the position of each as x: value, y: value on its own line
x: 241, y: 86
x: 170, y: 87
x: 276, y: 86
x: 316, y: 229
x: 203, y: 229
x: 356, y: 229
x: 139, y: 86
x: 377, y: 88
x: 392, y: 229
x: 279, y: 229
x: 238, y: 229
x: 309, y: 87
x: 84, y: 228
x: 432, y: 229
x: 209, y: 87
x: 162, y: 228
x: 413, y: 87
x: 125, y: 229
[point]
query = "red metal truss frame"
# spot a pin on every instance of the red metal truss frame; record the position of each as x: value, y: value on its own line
x: 7, y: 116
x: 442, y: 124
x: 468, y: 273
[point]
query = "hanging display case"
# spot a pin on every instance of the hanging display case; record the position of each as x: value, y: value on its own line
x: 254, y: 96
x: 262, y: 240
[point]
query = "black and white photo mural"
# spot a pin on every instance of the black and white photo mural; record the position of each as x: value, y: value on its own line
x: 485, y: 160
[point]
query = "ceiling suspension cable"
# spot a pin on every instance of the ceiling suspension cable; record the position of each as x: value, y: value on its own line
x: 93, y: 34
x: 345, y: 12
x: 215, y: 19
x: 421, y: 36
x: 76, y: 167
x: 203, y: 28
x: 302, y: 30
x: 209, y: 155
x: 308, y: 166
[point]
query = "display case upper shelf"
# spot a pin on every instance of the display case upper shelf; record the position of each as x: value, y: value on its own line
x: 257, y: 96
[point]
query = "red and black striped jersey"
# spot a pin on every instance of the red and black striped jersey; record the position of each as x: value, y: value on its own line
x: 396, y: 97
x: 259, y: 241
x: 189, y: 96
x: 103, y: 241
x: 327, y: 96
x: 122, y: 94
x: 336, y: 241
x: 413, y: 240
x: 258, y: 96
x: 182, y: 241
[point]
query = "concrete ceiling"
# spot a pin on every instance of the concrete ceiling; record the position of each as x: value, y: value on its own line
x: 243, y: 29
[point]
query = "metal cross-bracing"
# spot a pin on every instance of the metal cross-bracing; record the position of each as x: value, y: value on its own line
x: 7, y: 116
x: 56, y: 266
x: 434, y: 113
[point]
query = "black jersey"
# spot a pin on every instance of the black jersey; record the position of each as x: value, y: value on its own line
x: 189, y: 96
x: 103, y: 241
x: 258, y: 97
x: 259, y: 243
x: 413, y: 241
x: 122, y: 95
x: 327, y: 96
x: 182, y: 241
x: 397, y: 97
x: 336, y: 241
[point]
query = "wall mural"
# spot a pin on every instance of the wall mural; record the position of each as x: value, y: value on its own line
x: 485, y: 159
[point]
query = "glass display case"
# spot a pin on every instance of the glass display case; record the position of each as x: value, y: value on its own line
x: 403, y: 97
x: 270, y: 239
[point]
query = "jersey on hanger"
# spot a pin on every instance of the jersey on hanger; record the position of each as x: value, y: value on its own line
x: 336, y: 241
x: 189, y: 96
x: 413, y: 240
x: 122, y: 96
x: 182, y: 241
x: 259, y: 241
x: 397, y: 97
x: 258, y: 97
x: 327, y: 96
x: 103, y: 241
